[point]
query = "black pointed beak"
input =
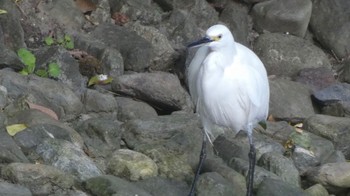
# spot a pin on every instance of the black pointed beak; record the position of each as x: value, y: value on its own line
x: 200, y: 42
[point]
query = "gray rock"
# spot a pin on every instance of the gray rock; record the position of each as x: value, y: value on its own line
x: 316, y: 78
x: 336, y: 157
x: 181, y: 28
x: 9, y: 150
x: 165, y: 55
x: 41, y: 122
x: 332, y: 94
x: 44, y: 91
x: 273, y: 187
x: 97, y: 102
x: 334, y: 176
x: 68, y: 158
x: 290, y: 100
x: 32, y: 136
x: 3, y: 97
x: 11, y: 31
x: 330, y: 24
x: 131, y: 109
x: 101, y: 136
x: 40, y: 179
x: 7, y: 189
x: 69, y: 67
x: 238, y: 147
x: 235, y: 15
x: 290, y: 16
x: 282, y: 166
x: 163, y: 186
x: 212, y: 183
x: 236, y: 180
x: 111, y: 59
x: 309, y: 150
x: 137, y: 52
x: 108, y: 185
x: 171, y: 141
x: 144, y: 11
x: 11, y: 36
x: 260, y: 174
x: 286, y: 55
x: 279, y: 131
x: 336, y: 129
x: 131, y: 165
x: 344, y: 75
x: 316, y: 190
x: 159, y: 89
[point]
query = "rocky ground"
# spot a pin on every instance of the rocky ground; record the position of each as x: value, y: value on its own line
x: 138, y: 135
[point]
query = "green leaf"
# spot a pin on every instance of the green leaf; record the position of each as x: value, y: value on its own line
x: 100, y: 79
x: 49, y: 40
x: 67, y: 38
x: 54, y: 70
x: 15, y: 128
x: 24, y: 72
x: 69, y: 45
x: 3, y: 11
x: 27, y: 58
x: 42, y: 73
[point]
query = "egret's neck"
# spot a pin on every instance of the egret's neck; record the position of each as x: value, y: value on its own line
x: 221, y: 57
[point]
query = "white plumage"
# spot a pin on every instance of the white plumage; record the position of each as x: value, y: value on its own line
x: 228, y: 83
x: 229, y: 86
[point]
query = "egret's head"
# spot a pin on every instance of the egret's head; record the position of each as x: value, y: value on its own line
x: 216, y: 37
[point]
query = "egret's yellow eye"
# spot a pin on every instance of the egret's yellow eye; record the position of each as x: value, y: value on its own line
x: 216, y: 38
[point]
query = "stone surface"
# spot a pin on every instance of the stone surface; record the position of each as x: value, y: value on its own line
x: 331, y: 26
x: 65, y: 156
x: 108, y: 185
x: 334, y: 176
x: 159, y: 89
x: 212, y: 183
x: 336, y: 129
x: 163, y: 186
x: 131, y: 165
x: 40, y: 179
x: 97, y: 102
x: 316, y: 78
x: 9, y: 150
x: 290, y: 16
x: 334, y: 93
x: 290, y: 100
x: 235, y: 15
x: 282, y: 166
x: 317, y: 190
x: 286, y: 55
x: 13, y: 190
x: 43, y: 91
x: 136, y: 51
x: 166, y: 140
x: 129, y: 109
x: 275, y: 187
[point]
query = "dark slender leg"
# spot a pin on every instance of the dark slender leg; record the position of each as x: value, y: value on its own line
x: 201, y: 160
x: 252, y: 156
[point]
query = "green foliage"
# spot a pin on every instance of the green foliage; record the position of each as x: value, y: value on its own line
x: 54, y: 70
x: 67, y: 41
x: 28, y: 59
x: 49, y: 41
x: 42, y: 73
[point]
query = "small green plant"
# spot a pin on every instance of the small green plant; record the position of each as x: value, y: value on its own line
x: 28, y: 59
x: 67, y: 41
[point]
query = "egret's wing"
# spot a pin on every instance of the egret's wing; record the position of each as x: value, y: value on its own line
x: 193, y: 71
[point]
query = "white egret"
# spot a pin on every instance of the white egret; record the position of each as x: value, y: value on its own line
x: 229, y: 85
